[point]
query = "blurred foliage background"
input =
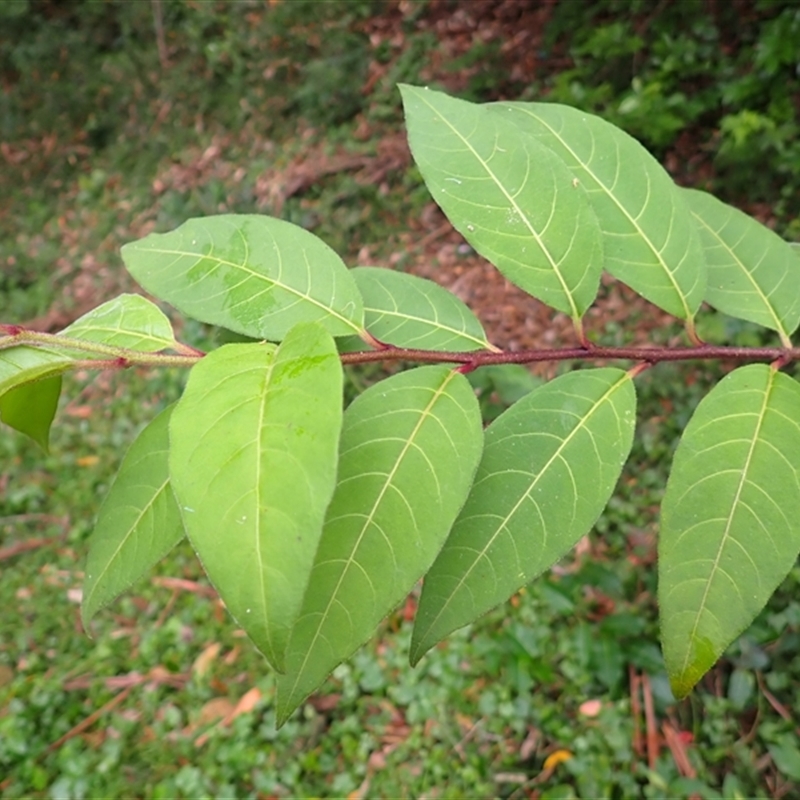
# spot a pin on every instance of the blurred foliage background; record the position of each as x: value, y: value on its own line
x: 118, y: 118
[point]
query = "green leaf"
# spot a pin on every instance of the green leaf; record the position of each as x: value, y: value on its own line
x: 730, y: 519
x: 30, y: 408
x: 23, y: 364
x: 138, y: 523
x: 509, y: 196
x: 128, y: 320
x: 752, y: 273
x: 254, y: 443
x: 650, y: 240
x: 408, y: 311
x: 548, y: 469
x: 409, y: 449
x: 252, y: 274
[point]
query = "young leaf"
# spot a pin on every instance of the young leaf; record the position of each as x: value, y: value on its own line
x: 549, y: 466
x: 254, y: 443
x: 409, y: 449
x: 128, y: 320
x: 510, y: 197
x: 138, y: 523
x: 408, y: 311
x: 730, y: 519
x: 752, y: 273
x: 30, y: 408
x: 23, y: 364
x: 249, y: 273
x: 650, y: 240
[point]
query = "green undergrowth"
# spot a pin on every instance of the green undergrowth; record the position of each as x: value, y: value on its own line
x: 478, y: 717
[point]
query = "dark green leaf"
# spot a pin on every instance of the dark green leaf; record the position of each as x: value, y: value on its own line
x: 30, y: 407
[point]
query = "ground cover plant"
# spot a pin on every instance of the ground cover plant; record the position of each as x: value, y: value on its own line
x: 739, y: 707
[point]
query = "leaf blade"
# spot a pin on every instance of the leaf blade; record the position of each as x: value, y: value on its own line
x: 30, y: 408
x: 254, y: 441
x: 138, y: 522
x: 730, y: 517
x: 407, y: 311
x: 252, y: 274
x: 569, y: 437
x: 752, y: 273
x: 410, y: 446
x: 650, y: 241
x: 535, y: 227
x: 129, y: 320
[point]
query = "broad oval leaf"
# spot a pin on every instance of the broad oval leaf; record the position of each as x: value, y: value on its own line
x: 730, y: 519
x: 23, y: 364
x: 129, y: 321
x: 252, y: 274
x: 138, y: 523
x: 752, y: 273
x: 650, y: 240
x: 549, y: 466
x: 510, y: 197
x: 408, y: 311
x: 254, y: 443
x: 31, y: 407
x: 409, y: 449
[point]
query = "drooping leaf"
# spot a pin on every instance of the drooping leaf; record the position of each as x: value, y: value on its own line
x: 730, y: 519
x: 253, y: 274
x: 408, y: 311
x: 548, y: 469
x: 752, y: 273
x: 30, y: 407
x: 510, y: 197
x: 254, y: 443
x: 23, y: 364
x: 138, y: 523
x: 409, y: 449
x: 128, y: 320
x: 650, y: 240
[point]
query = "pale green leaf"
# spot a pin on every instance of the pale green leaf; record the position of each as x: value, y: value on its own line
x: 730, y: 519
x: 408, y: 311
x: 254, y: 443
x: 650, y: 240
x: 752, y: 273
x: 409, y: 449
x: 253, y: 274
x: 30, y: 408
x: 138, y: 523
x: 548, y: 469
x: 23, y: 364
x: 510, y: 197
x: 129, y: 321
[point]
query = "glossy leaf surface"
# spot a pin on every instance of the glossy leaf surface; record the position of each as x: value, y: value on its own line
x: 408, y: 311
x: 254, y: 444
x: 128, y: 320
x: 549, y: 466
x: 752, y: 273
x: 138, y: 523
x: 30, y: 408
x: 510, y: 197
x: 252, y: 274
x: 410, y: 446
x: 730, y: 519
x: 650, y: 240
